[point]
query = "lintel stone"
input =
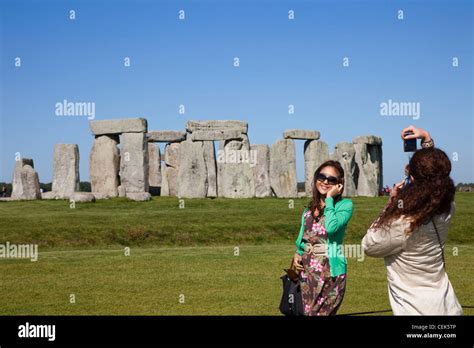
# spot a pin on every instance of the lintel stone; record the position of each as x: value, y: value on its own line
x: 192, y: 126
x: 117, y: 126
x: 165, y: 136
x: 301, y: 134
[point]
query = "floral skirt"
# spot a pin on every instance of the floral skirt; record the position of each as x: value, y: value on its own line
x: 321, y: 293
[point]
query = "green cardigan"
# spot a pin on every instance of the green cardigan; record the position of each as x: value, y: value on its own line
x: 336, y: 219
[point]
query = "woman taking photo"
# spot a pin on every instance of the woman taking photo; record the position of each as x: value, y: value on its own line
x: 411, y: 231
x: 322, y: 271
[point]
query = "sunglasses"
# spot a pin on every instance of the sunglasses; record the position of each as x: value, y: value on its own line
x: 332, y: 180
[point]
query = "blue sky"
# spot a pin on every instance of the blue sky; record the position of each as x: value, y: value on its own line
x: 282, y: 62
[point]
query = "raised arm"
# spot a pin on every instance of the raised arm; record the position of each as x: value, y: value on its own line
x: 382, y: 242
x: 418, y: 133
x: 334, y: 218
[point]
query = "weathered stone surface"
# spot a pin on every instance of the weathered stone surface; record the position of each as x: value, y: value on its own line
x: 25, y: 181
x: 283, y: 168
x: 121, y: 191
x: 6, y: 199
x: 166, y: 136
x: 169, y: 172
x: 124, y: 125
x: 235, y: 173
x: 104, y: 164
x: 48, y: 195
x: 221, y: 162
x: 261, y: 170
x: 315, y: 153
x: 301, y: 134
x: 210, y: 135
x: 345, y: 154
x: 134, y: 163
x: 211, y: 168
x: 172, y: 155
x: 154, y: 168
x: 368, y: 159
x: 368, y: 139
x: 241, y: 126
x: 101, y: 195
x: 139, y: 196
x: 65, y: 170
x: 192, y: 173
x: 82, y: 197
x: 169, y: 183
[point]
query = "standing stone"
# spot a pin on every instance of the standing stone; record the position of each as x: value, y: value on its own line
x: 169, y: 182
x: 25, y: 180
x: 172, y: 155
x: 220, y: 159
x: 134, y: 163
x: 235, y: 174
x: 66, y: 170
x: 211, y: 168
x: 283, y: 168
x: 104, y: 164
x: 368, y: 159
x: 315, y: 153
x: 192, y: 173
x: 345, y: 154
x: 261, y: 169
x: 121, y: 191
x: 154, y: 168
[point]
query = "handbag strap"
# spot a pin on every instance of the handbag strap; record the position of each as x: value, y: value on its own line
x: 439, y: 241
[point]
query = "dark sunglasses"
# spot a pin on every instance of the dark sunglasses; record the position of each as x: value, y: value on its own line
x: 332, y: 180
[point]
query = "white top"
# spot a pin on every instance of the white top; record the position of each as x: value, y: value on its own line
x: 417, y: 281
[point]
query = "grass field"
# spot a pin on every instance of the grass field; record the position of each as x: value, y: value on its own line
x: 182, y: 261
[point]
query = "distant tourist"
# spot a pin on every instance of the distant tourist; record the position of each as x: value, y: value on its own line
x: 411, y: 232
x: 322, y: 272
x: 3, y: 193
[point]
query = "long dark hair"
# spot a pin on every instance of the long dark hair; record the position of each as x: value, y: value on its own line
x: 430, y: 193
x: 316, y: 199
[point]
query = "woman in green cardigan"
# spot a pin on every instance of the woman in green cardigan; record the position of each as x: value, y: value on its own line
x: 318, y: 258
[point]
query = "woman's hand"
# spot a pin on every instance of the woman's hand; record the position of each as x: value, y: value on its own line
x: 335, y: 190
x: 396, y: 188
x: 418, y: 133
x: 297, y: 262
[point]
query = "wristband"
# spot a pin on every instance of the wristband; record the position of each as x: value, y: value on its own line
x: 427, y: 144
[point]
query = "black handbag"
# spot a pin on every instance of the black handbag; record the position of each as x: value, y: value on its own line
x: 291, y: 303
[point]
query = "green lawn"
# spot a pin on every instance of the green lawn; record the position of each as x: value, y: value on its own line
x: 186, y: 252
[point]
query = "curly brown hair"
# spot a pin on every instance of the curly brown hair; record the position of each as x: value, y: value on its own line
x: 430, y: 193
x: 315, y: 202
